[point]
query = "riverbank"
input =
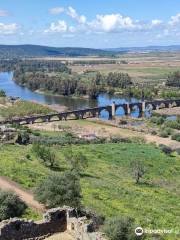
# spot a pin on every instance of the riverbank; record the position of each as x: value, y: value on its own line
x: 169, y: 111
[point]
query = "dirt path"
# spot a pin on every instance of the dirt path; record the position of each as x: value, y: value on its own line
x: 27, y: 197
x: 61, y: 236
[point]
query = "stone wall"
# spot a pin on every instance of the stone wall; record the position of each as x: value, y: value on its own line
x: 54, y: 221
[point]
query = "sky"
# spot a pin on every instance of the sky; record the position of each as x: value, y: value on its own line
x: 90, y: 23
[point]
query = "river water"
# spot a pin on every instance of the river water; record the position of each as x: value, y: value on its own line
x: 13, y: 89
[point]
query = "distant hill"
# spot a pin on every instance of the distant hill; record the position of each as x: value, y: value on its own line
x: 173, y: 48
x: 15, y: 51
x: 9, y: 51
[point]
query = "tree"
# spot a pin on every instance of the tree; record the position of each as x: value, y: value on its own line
x: 120, y: 229
x: 23, y: 138
x: 2, y: 93
x: 77, y: 161
x: 45, y: 153
x: 60, y: 189
x: 173, y: 79
x: 138, y: 170
x: 10, y: 205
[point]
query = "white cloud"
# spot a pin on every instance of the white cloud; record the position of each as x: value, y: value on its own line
x: 3, y: 13
x: 59, y: 27
x: 73, y: 14
x: 8, y: 28
x: 156, y: 22
x: 56, y: 11
x: 175, y: 20
x: 113, y: 23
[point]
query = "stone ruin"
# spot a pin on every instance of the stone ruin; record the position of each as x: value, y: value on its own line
x: 7, y: 134
x: 54, y: 221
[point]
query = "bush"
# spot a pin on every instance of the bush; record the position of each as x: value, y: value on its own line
x: 176, y: 137
x: 165, y: 132
x: 157, y: 120
x: 167, y: 150
x: 138, y: 170
x: 60, y: 189
x: 173, y: 124
x: 2, y: 93
x: 23, y: 138
x: 120, y: 229
x: 10, y: 205
x: 45, y: 153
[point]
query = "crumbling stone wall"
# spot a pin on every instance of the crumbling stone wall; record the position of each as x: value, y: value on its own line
x: 54, y: 221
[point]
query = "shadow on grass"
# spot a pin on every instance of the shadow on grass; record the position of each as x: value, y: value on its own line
x: 88, y: 175
x: 58, y: 169
x: 145, y: 184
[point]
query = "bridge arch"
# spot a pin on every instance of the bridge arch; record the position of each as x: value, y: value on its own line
x: 120, y: 111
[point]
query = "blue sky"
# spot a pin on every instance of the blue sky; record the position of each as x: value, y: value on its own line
x: 95, y: 23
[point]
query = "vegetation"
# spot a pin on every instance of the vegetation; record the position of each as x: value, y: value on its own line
x: 56, y: 77
x: 173, y: 79
x: 120, y: 229
x: 107, y: 182
x: 10, y: 205
x: 73, y: 84
x: 22, y: 109
x: 45, y: 154
x: 138, y: 170
x: 2, y: 93
x: 176, y: 137
x: 60, y: 189
x: 12, y: 51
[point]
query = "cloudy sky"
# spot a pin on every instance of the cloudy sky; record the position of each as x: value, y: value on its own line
x: 90, y: 23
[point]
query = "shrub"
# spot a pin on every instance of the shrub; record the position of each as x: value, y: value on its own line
x: 60, y: 189
x: 167, y: 150
x: 10, y: 205
x: 176, y: 137
x: 157, y: 120
x: 23, y: 138
x: 165, y: 132
x: 120, y: 229
x: 138, y: 170
x: 45, y: 153
x: 173, y: 124
x: 2, y: 93
x: 77, y: 161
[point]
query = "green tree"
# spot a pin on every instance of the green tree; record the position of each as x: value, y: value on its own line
x: 60, y: 189
x: 45, y: 153
x: 2, y: 93
x: 10, y: 205
x: 76, y: 160
x: 173, y: 79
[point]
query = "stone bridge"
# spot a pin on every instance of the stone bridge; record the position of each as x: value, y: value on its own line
x: 128, y: 108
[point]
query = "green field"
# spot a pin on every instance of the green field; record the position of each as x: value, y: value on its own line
x: 107, y: 184
x: 23, y: 108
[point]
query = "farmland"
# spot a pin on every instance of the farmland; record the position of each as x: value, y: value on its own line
x: 107, y: 184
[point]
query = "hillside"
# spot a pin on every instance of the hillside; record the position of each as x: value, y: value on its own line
x: 9, y: 51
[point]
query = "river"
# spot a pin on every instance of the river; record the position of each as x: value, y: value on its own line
x: 13, y: 89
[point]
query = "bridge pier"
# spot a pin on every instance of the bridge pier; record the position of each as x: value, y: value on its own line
x: 113, y: 109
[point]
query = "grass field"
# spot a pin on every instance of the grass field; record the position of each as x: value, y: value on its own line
x: 142, y: 67
x: 23, y: 108
x: 107, y: 184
